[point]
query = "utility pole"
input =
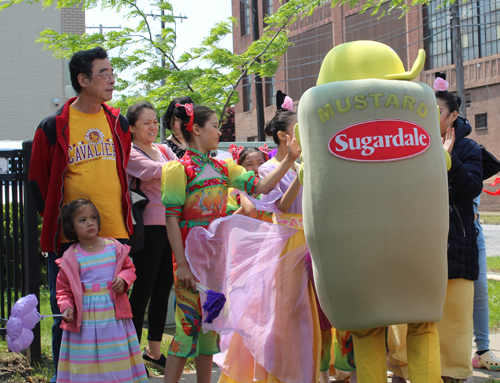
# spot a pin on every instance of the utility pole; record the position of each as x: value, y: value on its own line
x: 163, y: 61
x: 259, y: 97
x: 456, y: 36
x: 100, y: 27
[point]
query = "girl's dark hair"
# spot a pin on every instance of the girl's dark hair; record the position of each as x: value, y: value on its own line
x: 201, y: 115
x: 135, y: 111
x: 167, y: 117
x: 68, y: 213
x: 279, y: 123
x: 245, y: 152
x: 451, y: 101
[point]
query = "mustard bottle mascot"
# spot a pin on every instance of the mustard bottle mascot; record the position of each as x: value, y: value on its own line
x: 376, y: 204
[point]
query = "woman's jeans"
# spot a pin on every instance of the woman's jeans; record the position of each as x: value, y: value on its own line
x: 481, y: 310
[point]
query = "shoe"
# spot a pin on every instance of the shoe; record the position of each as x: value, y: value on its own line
x: 159, y: 364
x: 488, y: 360
x: 397, y: 379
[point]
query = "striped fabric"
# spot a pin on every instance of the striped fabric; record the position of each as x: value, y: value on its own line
x: 105, y: 349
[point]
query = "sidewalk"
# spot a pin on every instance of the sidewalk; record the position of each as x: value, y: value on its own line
x: 480, y: 375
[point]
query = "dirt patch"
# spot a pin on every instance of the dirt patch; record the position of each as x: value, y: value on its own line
x: 14, y: 368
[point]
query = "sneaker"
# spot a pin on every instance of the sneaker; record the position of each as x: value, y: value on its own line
x: 487, y: 360
x: 159, y: 364
x: 397, y: 379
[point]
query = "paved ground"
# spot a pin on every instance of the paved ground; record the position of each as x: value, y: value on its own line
x: 492, y: 237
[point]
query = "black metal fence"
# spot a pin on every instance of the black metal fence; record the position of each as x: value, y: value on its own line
x: 19, y: 256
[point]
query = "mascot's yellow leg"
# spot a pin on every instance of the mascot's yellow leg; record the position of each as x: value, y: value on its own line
x: 423, y: 353
x: 369, y: 353
x: 455, y: 329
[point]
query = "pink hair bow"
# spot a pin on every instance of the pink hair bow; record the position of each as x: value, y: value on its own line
x: 235, y: 151
x: 440, y: 84
x: 287, y: 104
x: 190, y: 112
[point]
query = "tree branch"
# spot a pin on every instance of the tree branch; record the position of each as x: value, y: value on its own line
x: 245, y: 70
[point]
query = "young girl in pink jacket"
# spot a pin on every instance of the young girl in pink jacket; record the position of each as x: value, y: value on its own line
x: 99, y: 341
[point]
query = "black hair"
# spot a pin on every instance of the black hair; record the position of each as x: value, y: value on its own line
x: 81, y: 62
x: 279, y: 123
x: 169, y: 114
x: 68, y: 213
x: 135, y: 111
x: 451, y: 101
x: 201, y: 115
x: 245, y: 152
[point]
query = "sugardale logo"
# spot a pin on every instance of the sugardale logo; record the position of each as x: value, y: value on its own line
x: 380, y: 141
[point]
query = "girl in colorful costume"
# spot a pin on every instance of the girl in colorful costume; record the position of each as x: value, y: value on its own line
x: 194, y: 192
x: 99, y: 341
x: 270, y: 326
x: 251, y: 159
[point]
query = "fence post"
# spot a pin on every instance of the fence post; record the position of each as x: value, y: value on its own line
x: 31, y: 256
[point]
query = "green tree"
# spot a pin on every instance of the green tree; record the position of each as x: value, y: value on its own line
x: 209, y: 73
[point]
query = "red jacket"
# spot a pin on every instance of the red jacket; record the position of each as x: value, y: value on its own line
x: 49, y: 161
x: 69, y: 288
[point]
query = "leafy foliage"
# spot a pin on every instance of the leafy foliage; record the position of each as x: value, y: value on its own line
x: 209, y: 73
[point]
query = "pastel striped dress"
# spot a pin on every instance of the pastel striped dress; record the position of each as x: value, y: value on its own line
x: 105, y: 349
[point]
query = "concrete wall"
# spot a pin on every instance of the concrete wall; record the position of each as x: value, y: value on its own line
x: 29, y: 77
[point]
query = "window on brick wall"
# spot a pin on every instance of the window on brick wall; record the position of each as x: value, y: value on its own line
x: 247, y: 93
x: 480, y: 31
x: 482, y: 121
x: 267, y: 9
x: 245, y: 17
x: 252, y: 138
x: 270, y: 91
x: 468, y: 100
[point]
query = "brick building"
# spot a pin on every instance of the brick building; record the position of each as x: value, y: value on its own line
x: 423, y: 27
x: 31, y: 78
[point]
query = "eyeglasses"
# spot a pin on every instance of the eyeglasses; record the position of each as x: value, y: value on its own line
x: 106, y: 76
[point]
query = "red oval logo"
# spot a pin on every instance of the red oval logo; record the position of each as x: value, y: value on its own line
x: 380, y: 141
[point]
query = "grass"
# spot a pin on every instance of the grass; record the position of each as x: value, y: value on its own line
x: 493, y: 264
x: 490, y: 219
x: 14, y: 368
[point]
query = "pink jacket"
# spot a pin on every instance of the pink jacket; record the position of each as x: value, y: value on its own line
x: 149, y: 172
x: 69, y: 285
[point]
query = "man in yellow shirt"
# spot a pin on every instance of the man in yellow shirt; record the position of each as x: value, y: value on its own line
x: 81, y: 150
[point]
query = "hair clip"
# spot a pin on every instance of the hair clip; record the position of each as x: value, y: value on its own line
x: 190, y: 112
x: 235, y: 151
x: 265, y: 150
x: 440, y: 84
x: 287, y: 104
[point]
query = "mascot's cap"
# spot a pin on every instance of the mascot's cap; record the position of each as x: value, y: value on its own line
x: 366, y: 59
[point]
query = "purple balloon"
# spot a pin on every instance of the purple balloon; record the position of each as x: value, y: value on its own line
x: 14, y: 327
x: 24, y: 305
x: 22, y: 342
x: 30, y: 319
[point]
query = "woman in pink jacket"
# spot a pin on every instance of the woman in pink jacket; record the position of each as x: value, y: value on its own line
x: 154, y: 262
x: 99, y: 342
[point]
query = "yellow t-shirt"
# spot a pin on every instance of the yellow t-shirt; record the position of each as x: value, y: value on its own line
x: 92, y: 171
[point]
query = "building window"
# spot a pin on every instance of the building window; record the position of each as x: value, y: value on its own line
x: 438, y: 43
x: 479, y: 27
x: 468, y: 100
x: 245, y: 17
x: 252, y: 138
x: 269, y: 8
x: 270, y: 91
x: 482, y: 121
x: 247, y: 93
